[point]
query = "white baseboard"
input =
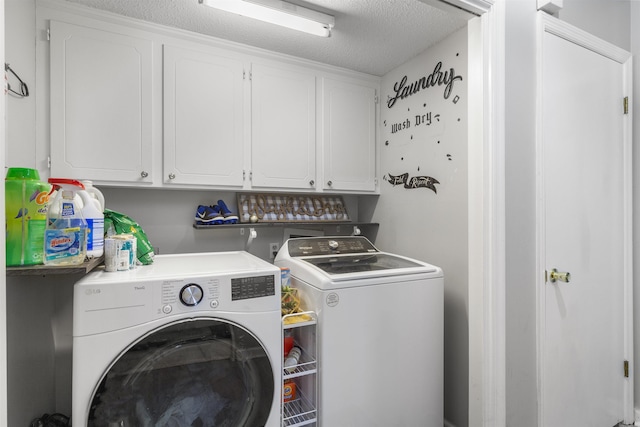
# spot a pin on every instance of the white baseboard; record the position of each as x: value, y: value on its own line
x: 448, y: 424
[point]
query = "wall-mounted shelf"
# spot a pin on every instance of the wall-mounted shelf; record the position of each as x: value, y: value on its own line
x: 328, y: 228
x: 44, y: 270
x: 284, y: 224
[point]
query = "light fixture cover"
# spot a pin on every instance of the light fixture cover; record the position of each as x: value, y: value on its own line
x: 280, y: 13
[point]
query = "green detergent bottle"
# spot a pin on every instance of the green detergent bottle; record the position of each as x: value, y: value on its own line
x: 26, y: 202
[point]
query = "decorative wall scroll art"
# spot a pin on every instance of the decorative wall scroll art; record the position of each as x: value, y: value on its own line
x: 290, y: 208
x: 413, y: 182
x: 427, y: 116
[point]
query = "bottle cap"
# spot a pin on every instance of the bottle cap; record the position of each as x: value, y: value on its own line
x: 22, y: 173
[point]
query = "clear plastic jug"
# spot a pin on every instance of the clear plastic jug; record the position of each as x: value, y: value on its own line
x: 65, y: 239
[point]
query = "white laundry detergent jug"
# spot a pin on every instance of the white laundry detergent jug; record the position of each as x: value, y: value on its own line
x: 91, y: 209
x: 92, y: 212
x: 94, y: 192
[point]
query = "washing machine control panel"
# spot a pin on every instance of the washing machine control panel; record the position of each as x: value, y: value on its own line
x: 226, y: 292
x: 252, y: 287
x: 185, y: 294
x: 329, y: 246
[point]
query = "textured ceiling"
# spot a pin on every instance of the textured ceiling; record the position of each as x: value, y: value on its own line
x: 371, y: 36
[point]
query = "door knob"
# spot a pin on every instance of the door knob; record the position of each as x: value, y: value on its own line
x: 558, y: 275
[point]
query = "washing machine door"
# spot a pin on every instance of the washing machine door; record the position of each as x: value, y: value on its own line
x: 203, y: 372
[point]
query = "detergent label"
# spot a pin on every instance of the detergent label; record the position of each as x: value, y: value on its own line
x: 95, y: 227
x: 67, y: 210
x: 42, y: 201
x: 28, y: 206
x: 63, y: 243
x: 39, y: 197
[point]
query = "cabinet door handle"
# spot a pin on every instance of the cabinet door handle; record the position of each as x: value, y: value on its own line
x: 312, y: 183
x: 172, y: 176
x: 144, y: 174
x: 329, y: 183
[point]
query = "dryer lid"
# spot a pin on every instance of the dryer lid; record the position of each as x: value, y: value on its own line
x: 348, y: 260
x: 360, y: 263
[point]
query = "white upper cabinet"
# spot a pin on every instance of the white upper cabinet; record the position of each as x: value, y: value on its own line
x: 283, y: 127
x: 204, y: 119
x: 143, y: 105
x: 101, y: 105
x: 348, y: 135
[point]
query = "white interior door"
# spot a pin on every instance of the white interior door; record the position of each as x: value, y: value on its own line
x: 584, y: 165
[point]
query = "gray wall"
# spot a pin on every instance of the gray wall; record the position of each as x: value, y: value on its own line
x: 611, y: 21
x: 167, y: 218
x: 31, y: 375
x: 20, y: 146
x: 608, y: 19
x: 420, y: 222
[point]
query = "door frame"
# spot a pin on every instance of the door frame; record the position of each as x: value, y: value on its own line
x: 551, y: 25
x: 487, y: 218
x: 487, y: 214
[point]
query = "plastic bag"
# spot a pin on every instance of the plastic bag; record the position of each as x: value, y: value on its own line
x: 118, y: 223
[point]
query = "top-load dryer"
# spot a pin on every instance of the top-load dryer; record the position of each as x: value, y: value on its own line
x: 380, y: 331
x: 191, y: 340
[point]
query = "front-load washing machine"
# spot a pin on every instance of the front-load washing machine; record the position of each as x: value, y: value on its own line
x: 379, y: 333
x: 191, y: 340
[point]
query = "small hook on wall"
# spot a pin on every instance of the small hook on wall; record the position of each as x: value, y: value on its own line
x: 252, y: 235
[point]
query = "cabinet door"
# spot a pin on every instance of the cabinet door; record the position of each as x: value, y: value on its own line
x: 349, y: 136
x: 203, y: 118
x: 101, y: 105
x: 283, y: 130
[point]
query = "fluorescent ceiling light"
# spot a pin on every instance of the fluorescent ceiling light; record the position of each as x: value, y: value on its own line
x: 279, y: 13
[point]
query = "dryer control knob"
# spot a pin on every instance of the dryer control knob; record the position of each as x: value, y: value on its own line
x: 191, y: 294
x: 333, y: 244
